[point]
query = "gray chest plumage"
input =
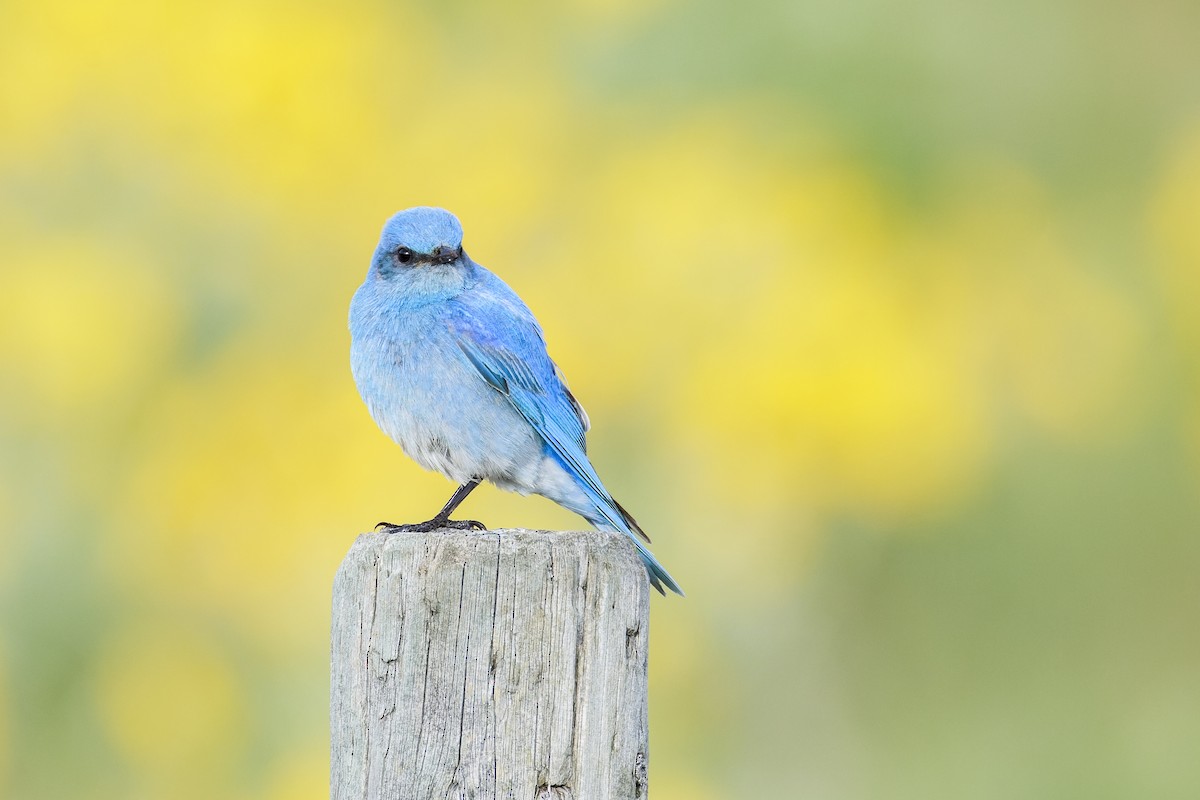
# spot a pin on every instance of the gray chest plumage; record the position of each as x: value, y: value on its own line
x: 425, y: 395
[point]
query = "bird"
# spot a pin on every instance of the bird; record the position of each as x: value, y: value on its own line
x: 453, y: 367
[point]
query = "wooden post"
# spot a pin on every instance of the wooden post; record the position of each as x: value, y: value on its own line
x: 495, y: 664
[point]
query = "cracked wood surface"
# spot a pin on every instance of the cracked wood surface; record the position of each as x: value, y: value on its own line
x: 491, y: 664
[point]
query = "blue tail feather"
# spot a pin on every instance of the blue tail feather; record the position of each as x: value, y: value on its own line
x: 659, y: 576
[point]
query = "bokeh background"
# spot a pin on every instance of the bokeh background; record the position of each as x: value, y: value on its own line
x: 885, y: 315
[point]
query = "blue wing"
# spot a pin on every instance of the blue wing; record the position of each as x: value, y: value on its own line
x: 510, y: 355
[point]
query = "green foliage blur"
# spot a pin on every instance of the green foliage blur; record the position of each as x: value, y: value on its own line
x: 886, y: 316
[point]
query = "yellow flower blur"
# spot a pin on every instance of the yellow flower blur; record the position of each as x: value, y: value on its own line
x: 889, y: 339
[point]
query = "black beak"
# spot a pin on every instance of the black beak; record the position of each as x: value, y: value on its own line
x: 445, y: 255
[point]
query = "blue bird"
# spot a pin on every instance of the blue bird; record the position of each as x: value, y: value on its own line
x: 453, y: 367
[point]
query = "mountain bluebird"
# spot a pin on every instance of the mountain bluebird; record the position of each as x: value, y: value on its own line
x: 453, y: 366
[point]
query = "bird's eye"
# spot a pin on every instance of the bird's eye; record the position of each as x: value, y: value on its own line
x: 404, y: 255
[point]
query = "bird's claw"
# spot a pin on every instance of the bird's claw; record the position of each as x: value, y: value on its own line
x: 464, y: 525
x: 433, y: 525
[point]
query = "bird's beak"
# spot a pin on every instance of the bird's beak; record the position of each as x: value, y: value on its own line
x: 445, y: 255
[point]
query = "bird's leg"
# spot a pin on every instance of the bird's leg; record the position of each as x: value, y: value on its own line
x: 442, y: 520
x: 455, y: 500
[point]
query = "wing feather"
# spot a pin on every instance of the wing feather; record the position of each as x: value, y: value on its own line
x: 551, y: 413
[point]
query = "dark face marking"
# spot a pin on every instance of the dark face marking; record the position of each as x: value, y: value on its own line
x: 441, y: 254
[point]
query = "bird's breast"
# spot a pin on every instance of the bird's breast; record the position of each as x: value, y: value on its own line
x: 425, y: 395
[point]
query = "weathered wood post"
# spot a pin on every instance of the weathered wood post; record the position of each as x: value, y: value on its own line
x: 495, y: 664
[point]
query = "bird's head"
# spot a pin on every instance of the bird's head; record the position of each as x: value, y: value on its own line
x: 420, y: 253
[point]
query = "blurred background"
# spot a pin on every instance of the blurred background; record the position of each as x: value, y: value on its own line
x: 885, y: 316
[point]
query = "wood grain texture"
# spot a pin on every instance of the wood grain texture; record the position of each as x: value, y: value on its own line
x: 495, y: 664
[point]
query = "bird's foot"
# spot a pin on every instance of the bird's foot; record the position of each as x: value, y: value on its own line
x: 433, y: 525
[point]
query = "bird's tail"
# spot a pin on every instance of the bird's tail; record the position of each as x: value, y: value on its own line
x: 590, y: 500
x: 659, y: 577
